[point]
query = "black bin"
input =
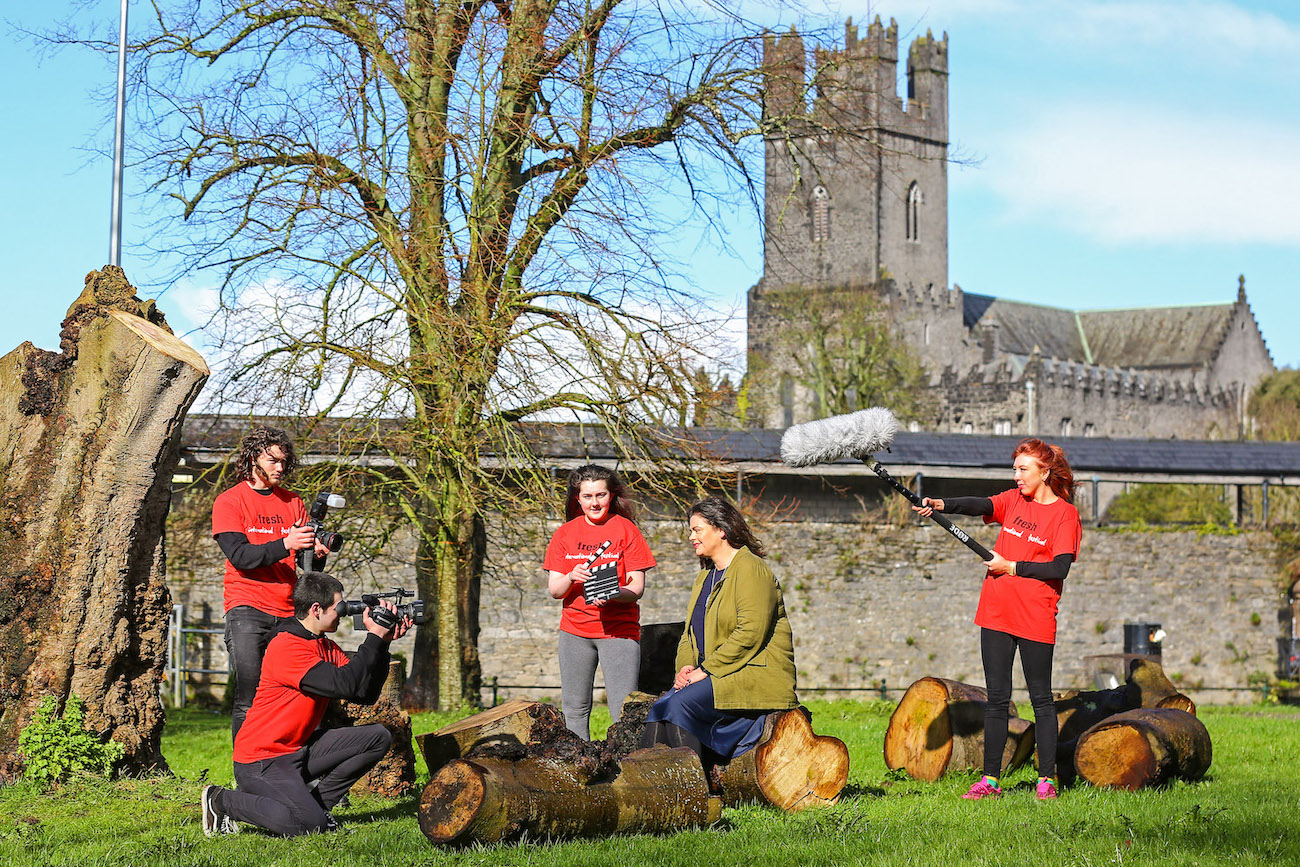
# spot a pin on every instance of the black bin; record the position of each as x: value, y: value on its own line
x: 1288, y: 658
x: 1143, y: 638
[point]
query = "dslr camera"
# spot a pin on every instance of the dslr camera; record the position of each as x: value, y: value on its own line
x: 382, y: 616
x: 307, y: 559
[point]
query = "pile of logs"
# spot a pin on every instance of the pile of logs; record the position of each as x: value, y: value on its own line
x: 515, y: 771
x: 1142, y: 733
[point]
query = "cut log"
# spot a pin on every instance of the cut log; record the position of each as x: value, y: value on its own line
x: 792, y: 767
x: 1076, y: 711
x: 1147, y: 747
x: 518, y: 721
x: 91, y: 439
x: 485, y: 800
x: 1149, y: 687
x: 938, y: 727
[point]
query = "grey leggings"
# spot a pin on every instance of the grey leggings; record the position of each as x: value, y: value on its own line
x: 620, y: 660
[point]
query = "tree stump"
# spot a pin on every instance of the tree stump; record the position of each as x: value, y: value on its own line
x: 792, y: 767
x: 91, y: 438
x: 938, y: 727
x: 394, y: 774
x: 518, y: 721
x: 486, y: 800
x: 1146, y: 747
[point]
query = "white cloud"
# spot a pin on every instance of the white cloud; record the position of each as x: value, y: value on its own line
x: 1201, y: 27
x: 1135, y: 174
x: 189, y: 307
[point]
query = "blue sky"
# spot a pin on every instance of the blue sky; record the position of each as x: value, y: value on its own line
x: 1118, y: 154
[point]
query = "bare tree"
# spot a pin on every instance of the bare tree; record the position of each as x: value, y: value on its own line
x: 447, y: 213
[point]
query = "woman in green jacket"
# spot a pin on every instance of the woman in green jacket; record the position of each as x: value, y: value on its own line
x: 736, y: 657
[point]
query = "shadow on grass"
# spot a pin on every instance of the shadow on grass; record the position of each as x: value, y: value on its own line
x: 404, y: 808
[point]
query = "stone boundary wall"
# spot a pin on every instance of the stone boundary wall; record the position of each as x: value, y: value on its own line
x: 877, y: 603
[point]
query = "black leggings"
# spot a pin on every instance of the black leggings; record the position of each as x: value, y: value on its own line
x: 998, y: 649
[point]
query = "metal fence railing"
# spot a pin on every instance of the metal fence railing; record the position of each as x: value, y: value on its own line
x: 177, y: 669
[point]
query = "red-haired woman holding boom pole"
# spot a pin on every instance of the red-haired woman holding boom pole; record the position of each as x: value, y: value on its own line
x: 1017, y: 608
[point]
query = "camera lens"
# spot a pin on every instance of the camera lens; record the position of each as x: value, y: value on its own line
x: 330, y: 539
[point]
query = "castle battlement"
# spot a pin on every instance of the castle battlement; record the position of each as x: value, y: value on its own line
x: 857, y: 85
x: 932, y: 296
x: 1076, y: 377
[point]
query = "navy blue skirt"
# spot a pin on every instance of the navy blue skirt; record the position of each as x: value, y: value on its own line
x: 726, y: 734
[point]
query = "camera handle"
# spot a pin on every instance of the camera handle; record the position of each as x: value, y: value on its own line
x: 309, y: 561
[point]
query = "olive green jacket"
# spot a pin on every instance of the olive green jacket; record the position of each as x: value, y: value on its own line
x: 750, y: 651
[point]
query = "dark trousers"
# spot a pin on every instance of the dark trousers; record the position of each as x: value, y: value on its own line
x: 248, y: 632
x: 278, y: 795
x: 723, y: 734
x: 998, y: 650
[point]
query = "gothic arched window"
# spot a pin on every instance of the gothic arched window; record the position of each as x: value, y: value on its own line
x: 820, y: 212
x: 914, y: 201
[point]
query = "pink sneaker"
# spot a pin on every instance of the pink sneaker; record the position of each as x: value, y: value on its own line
x: 1046, y: 790
x: 983, y: 789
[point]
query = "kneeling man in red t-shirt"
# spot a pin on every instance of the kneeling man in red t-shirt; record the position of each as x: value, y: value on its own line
x: 290, y: 775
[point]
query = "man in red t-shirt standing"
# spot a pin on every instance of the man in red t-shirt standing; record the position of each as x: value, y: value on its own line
x: 260, y: 526
x: 289, y: 775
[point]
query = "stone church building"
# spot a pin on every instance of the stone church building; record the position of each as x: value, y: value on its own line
x: 857, y: 211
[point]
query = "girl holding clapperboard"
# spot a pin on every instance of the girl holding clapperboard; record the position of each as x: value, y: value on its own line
x: 598, y: 541
x: 1017, y: 608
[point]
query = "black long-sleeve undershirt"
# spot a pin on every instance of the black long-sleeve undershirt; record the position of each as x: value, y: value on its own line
x: 968, y: 505
x: 361, y: 680
x: 1054, y: 570
x: 246, y: 556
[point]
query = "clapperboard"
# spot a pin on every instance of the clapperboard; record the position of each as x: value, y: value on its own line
x: 603, y: 583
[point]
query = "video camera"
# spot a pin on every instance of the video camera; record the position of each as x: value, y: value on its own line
x: 307, y: 559
x: 382, y: 616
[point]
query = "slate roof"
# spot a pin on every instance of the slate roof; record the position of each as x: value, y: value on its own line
x: 1023, y: 326
x: 1087, y: 455
x: 1142, y: 337
x: 1156, y: 336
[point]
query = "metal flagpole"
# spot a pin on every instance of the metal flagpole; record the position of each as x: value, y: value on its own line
x: 119, y: 148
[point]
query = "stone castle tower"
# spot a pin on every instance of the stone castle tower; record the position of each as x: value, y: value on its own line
x: 856, y: 217
x: 872, y: 197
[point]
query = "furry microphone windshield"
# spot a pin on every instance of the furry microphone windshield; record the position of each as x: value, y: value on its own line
x: 857, y: 435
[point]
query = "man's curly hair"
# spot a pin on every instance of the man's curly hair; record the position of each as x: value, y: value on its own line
x: 259, y: 440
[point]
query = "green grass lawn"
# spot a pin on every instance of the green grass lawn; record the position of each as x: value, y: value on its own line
x: 1243, y: 812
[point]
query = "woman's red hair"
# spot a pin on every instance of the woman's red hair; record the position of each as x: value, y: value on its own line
x: 1060, y: 478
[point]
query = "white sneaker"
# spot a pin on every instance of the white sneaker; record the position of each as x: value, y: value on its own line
x: 215, y: 824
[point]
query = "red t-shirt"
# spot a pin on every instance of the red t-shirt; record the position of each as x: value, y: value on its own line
x: 1026, y: 607
x: 283, y: 717
x: 262, y: 518
x: 572, y: 544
